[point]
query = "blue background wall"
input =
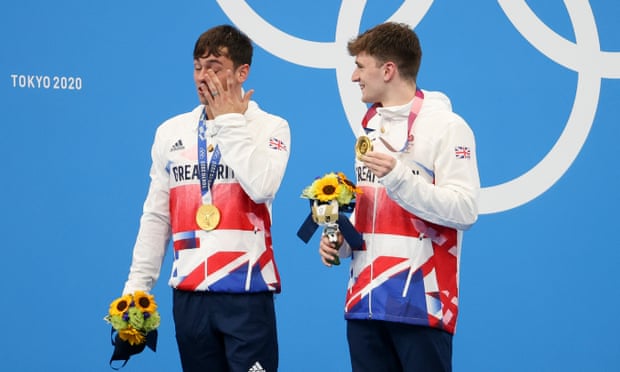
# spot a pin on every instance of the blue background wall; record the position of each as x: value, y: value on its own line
x: 539, y: 287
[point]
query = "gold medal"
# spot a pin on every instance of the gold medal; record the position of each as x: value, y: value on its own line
x: 210, y: 148
x: 208, y: 217
x: 362, y: 146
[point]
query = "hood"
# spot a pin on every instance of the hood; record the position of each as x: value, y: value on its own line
x: 436, y: 101
x: 433, y: 101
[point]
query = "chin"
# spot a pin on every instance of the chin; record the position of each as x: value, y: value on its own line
x: 366, y: 98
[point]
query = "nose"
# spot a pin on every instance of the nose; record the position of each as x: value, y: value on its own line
x: 201, y: 74
x: 355, y: 76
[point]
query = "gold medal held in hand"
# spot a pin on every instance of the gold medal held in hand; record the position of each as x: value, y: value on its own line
x: 362, y: 146
x: 208, y: 217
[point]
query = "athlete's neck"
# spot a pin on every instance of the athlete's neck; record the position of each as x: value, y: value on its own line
x: 399, y: 95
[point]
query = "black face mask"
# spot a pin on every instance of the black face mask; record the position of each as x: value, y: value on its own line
x: 123, y: 350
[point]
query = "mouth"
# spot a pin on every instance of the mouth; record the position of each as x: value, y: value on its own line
x: 202, y: 89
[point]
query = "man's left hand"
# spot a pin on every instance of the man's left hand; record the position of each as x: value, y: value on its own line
x: 224, y: 100
x: 379, y: 163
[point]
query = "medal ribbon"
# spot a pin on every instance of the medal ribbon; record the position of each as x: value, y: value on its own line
x: 416, y: 105
x: 206, y: 173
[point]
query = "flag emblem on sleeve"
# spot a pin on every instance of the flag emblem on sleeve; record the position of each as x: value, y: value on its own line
x: 462, y: 152
x: 277, y: 144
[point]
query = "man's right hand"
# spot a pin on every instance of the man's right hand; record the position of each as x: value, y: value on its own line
x: 328, y: 250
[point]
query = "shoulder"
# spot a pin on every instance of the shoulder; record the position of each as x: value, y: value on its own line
x: 255, y: 114
x: 180, y: 121
x: 437, y: 113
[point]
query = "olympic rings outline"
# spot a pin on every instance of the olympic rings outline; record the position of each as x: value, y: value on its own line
x: 493, y: 199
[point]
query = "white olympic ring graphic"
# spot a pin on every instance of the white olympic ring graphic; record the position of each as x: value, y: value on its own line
x: 584, y: 57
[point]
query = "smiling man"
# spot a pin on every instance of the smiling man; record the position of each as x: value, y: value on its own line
x: 419, y: 180
x: 214, y: 175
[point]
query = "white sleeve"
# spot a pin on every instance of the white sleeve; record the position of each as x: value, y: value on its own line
x: 258, y: 167
x: 452, y: 200
x: 154, y: 233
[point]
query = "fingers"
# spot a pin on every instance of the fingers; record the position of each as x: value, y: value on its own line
x: 215, y: 86
x: 229, y: 80
x: 247, y: 97
x: 327, y: 252
x: 202, y: 90
x: 224, y: 97
x: 206, y: 92
x: 380, y: 164
x: 327, y: 259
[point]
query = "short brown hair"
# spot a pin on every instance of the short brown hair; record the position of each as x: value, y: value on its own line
x: 390, y: 41
x: 213, y: 41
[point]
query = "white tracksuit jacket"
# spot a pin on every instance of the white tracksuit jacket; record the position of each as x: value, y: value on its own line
x: 237, y: 256
x: 412, y: 219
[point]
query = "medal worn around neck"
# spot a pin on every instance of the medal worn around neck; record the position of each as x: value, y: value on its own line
x: 208, y: 217
x: 416, y: 106
x: 362, y: 146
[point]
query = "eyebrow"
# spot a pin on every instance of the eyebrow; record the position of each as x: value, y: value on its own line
x: 208, y: 61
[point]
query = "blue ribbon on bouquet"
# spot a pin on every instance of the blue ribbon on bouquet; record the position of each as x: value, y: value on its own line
x: 348, y: 231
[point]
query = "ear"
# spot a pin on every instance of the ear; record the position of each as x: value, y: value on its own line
x: 389, y: 71
x: 242, y: 73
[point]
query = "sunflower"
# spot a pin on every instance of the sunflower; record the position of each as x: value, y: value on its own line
x: 120, y: 305
x: 332, y: 186
x: 348, y: 184
x: 131, y: 335
x: 327, y: 188
x: 144, y: 302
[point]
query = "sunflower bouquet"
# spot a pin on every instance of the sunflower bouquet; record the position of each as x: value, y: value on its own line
x: 134, y: 320
x: 133, y: 316
x: 332, y: 186
x: 330, y: 196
